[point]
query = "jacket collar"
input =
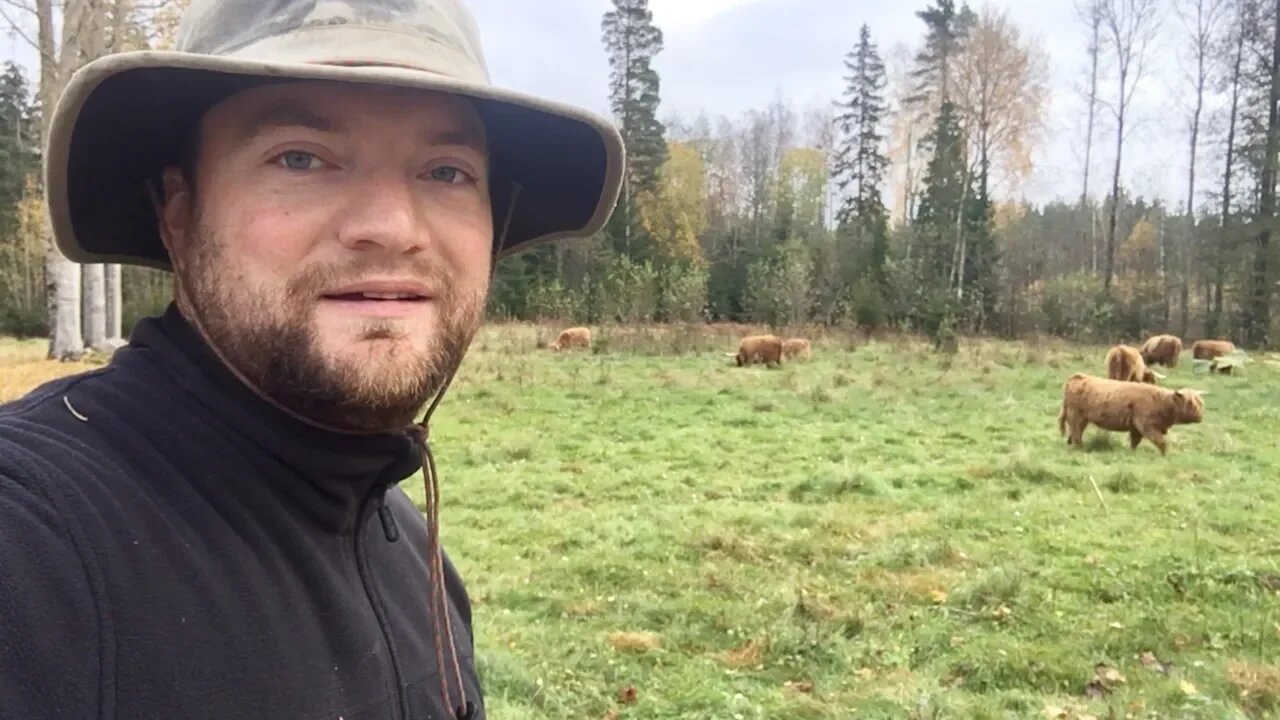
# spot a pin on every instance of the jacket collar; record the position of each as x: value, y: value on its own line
x: 326, y: 474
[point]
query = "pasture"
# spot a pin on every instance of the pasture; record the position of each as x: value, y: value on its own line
x: 881, y: 531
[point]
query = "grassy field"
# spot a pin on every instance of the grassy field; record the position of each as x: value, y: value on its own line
x: 879, y: 532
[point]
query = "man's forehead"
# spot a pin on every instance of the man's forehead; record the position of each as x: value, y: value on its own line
x: 337, y: 107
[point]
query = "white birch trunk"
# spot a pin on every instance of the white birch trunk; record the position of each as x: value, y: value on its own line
x: 115, y: 303
x: 95, y: 305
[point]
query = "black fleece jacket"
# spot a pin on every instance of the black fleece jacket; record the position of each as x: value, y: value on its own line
x: 172, y: 546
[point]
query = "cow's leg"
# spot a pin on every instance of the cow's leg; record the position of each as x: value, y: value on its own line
x: 1077, y: 432
x: 1157, y: 438
x: 1135, y: 437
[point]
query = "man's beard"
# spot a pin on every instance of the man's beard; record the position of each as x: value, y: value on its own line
x: 271, y: 339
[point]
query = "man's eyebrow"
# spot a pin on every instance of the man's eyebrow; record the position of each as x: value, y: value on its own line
x: 286, y: 114
x: 456, y: 136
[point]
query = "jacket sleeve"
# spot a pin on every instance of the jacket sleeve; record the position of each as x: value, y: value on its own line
x: 49, y: 630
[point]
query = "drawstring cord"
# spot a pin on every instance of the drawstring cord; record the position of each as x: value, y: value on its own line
x: 431, y: 489
x: 438, y: 602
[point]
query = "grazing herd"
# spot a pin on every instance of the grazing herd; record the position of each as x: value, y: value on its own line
x: 1129, y: 399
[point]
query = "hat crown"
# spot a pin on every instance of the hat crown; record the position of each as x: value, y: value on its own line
x: 255, y: 28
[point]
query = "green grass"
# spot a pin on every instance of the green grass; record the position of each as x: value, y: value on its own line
x: 904, y: 530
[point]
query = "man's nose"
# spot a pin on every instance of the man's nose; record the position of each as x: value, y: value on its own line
x: 381, y: 212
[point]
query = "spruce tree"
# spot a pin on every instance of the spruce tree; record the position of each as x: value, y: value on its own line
x: 860, y: 163
x: 634, y: 93
x: 19, y: 142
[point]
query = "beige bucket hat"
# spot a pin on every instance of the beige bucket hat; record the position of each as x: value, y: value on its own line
x: 123, y: 117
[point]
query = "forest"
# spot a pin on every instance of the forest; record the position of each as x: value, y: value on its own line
x: 895, y: 206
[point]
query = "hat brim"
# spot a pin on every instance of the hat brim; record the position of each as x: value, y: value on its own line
x: 123, y: 118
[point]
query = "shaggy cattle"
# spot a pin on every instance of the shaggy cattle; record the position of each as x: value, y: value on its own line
x: 575, y: 337
x: 1162, y: 350
x: 1210, y: 349
x: 796, y: 347
x: 1125, y: 363
x: 1145, y: 411
x: 765, y: 349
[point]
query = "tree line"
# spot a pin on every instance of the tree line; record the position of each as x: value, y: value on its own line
x: 895, y: 205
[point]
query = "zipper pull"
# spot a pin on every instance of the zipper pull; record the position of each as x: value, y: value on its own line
x: 388, y: 520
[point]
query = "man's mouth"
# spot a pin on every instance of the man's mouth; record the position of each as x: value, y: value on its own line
x: 355, y: 296
x: 382, y: 297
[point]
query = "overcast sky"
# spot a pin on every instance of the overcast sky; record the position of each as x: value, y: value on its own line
x: 728, y: 56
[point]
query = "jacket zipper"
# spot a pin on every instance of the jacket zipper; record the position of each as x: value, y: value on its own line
x: 392, y: 533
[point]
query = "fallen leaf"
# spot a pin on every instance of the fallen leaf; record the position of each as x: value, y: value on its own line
x: 634, y: 641
x: 1116, y: 626
x: 1152, y: 663
x: 939, y: 596
x: 611, y: 715
x: 1002, y: 613
x: 1053, y: 712
x: 1095, y: 690
x: 800, y: 686
x: 627, y: 695
x: 1086, y: 717
x: 1187, y: 688
x: 749, y: 655
x: 956, y: 640
x: 1108, y: 675
x: 864, y: 673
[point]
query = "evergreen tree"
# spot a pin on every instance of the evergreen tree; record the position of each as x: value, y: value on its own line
x: 859, y: 168
x: 935, y: 63
x: 944, y: 192
x: 632, y: 41
x: 19, y: 143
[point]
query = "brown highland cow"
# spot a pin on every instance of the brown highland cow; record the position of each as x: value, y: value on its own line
x: 1125, y: 363
x: 765, y: 349
x: 1145, y: 411
x: 1162, y: 350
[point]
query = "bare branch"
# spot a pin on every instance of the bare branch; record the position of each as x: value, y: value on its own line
x: 23, y: 34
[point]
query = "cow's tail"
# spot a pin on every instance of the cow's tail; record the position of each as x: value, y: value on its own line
x: 1062, y: 418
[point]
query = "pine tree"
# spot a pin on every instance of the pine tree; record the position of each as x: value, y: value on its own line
x: 632, y: 41
x: 860, y: 161
x: 860, y: 165
x: 935, y: 63
x: 19, y: 143
x: 944, y: 194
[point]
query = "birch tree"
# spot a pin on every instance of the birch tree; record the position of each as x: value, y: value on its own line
x: 1129, y: 27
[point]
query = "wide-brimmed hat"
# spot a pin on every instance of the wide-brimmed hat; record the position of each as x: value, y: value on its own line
x: 124, y: 117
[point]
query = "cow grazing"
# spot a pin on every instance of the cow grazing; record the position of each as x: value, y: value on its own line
x: 1125, y: 363
x: 1145, y: 411
x: 1210, y: 349
x: 796, y: 348
x: 1162, y: 350
x: 765, y: 349
x: 575, y: 337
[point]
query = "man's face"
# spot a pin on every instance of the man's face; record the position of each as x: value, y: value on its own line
x: 336, y: 244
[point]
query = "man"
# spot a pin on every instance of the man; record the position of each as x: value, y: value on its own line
x: 211, y: 525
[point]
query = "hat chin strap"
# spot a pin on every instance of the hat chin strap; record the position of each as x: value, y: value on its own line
x: 419, y: 431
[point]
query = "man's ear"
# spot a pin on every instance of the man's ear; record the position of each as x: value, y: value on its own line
x: 177, y: 208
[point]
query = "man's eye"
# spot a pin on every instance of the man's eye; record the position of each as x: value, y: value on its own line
x: 298, y: 160
x: 448, y: 174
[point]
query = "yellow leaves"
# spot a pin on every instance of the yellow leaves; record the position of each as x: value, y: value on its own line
x: 1139, y: 252
x: 802, y: 185
x: 31, y: 215
x: 676, y: 213
x: 939, y: 596
x: 1187, y: 687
